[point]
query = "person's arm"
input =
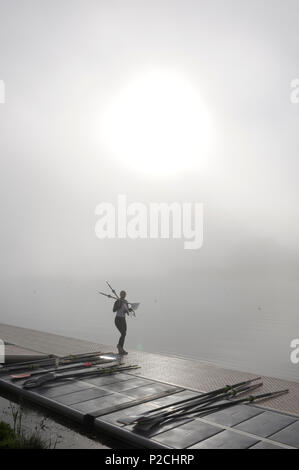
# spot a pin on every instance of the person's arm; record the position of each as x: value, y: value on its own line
x: 129, y: 309
x: 116, y: 306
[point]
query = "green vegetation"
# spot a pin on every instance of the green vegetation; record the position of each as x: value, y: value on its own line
x: 16, y: 438
x: 10, y: 440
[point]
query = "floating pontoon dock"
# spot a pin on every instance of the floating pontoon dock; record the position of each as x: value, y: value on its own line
x: 98, y: 402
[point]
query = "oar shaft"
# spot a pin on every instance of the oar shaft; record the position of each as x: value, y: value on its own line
x: 193, y: 406
x: 250, y: 399
x: 108, y: 295
x: 209, y: 404
x: 36, y: 382
x: 48, y: 361
x: 71, y: 367
x: 205, y: 395
x: 112, y: 290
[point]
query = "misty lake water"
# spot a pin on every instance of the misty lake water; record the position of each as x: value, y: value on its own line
x: 247, y: 328
x: 163, y: 102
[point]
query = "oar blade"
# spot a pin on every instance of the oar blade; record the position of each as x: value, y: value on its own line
x: 127, y: 420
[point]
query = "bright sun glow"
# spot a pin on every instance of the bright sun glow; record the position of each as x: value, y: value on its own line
x: 158, y: 124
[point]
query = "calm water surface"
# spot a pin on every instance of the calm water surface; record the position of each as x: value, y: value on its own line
x: 239, y: 326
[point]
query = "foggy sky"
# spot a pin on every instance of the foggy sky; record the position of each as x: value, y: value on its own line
x: 62, y: 62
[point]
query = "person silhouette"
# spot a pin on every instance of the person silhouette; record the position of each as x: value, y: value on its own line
x: 122, y: 309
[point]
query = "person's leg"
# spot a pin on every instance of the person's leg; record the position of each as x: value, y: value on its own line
x: 121, y: 325
x: 118, y: 326
x: 123, y: 331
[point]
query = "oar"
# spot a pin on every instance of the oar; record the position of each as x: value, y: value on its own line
x: 79, y: 365
x: 224, y: 396
x: 195, y: 407
x: 108, y: 295
x: 148, y: 422
x: 250, y: 399
x: 48, y: 362
x: 202, y: 396
x: 52, y: 376
x: 207, y: 410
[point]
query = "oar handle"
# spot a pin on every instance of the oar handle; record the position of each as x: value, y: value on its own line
x: 246, y: 382
x: 108, y: 295
x: 110, y: 287
x: 267, y: 395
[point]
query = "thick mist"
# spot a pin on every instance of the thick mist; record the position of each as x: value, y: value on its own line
x: 234, y: 301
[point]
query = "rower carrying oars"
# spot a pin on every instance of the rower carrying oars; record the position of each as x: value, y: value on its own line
x: 122, y: 308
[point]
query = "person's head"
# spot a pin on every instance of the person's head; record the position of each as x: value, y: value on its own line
x: 123, y: 294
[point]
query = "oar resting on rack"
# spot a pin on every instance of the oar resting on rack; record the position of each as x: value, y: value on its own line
x: 200, y: 398
x: 199, y: 405
x: 96, y: 371
x: 50, y: 361
x: 79, y: 365
x: 208, y: 409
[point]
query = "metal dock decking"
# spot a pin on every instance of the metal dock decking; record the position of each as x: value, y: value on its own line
x: 99, y: 402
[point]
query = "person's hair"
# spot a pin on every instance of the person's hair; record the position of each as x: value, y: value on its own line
x: 123, y: 292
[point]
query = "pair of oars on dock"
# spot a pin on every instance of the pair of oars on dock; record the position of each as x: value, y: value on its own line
x: 51, y: 360
x: 75, y: 366
x: 78, y: 374
x: 199, y: 405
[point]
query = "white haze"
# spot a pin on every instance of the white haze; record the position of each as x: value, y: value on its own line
x: 233, y: 302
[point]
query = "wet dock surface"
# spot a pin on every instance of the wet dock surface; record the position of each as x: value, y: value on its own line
x: 99, y: 402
